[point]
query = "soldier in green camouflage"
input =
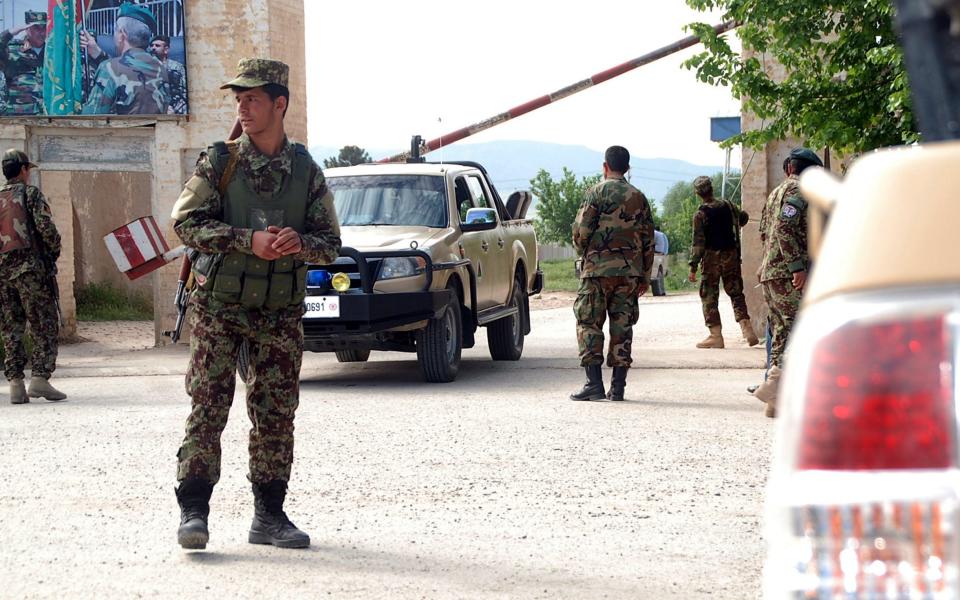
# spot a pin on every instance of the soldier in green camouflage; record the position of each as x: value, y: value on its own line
x: 783, y: 272
x: 176, y: 74
x: 29, y: 249
x: 22, y: 63
x: 613, y: 234
x: 716, y: 243
x: 257, y: 210
x: 134, y: 83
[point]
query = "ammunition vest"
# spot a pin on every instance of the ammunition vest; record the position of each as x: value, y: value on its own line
x: 718, y: 226
x: 247, y: 279
x: 14, y: 219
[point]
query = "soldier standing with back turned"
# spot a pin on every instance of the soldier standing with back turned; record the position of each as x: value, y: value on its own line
x: 613, y: 234
x: 783, y: 272
x: 257, y: 210
x: 29, y: 249
x: 716, y: 243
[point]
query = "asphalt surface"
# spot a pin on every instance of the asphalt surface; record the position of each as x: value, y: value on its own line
x: 494, y: 486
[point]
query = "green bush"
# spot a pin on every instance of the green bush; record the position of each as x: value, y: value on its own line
x: 676, y: 279
x: 103, y: 302
x: 559, y: 276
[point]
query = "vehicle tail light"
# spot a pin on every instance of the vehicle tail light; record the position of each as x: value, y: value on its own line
x: 879, y: 397
x: 864, y: 496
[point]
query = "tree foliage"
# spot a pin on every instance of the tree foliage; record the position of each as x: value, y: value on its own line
x: 846, y: 85
x: 558, y: 203
x: 349, y: 156
x: 680, y: 204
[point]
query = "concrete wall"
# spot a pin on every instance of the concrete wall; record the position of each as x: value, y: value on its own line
x: 762, y: 172
x: 100, y: 172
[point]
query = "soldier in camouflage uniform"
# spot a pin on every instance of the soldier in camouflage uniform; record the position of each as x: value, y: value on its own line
x: 22, y: 61
x: 176, y: 73
x: 613, y: 234
x: 135, y: 83
x: 257, y: 210
x: 783, y: 272
x: 716, y: 243
x: 29, y: 249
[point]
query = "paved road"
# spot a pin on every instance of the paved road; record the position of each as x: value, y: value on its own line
x: 494, y: 486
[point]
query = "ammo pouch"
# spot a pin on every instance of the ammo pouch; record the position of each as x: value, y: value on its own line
x: 252, y: 282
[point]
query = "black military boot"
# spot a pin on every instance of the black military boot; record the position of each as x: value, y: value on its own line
x: 618, y: 383
x: 270, y: 523
x: 193, y: 496
x: 593, y: 388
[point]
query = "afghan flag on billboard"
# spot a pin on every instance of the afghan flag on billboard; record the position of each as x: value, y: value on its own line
x: 63, y: 61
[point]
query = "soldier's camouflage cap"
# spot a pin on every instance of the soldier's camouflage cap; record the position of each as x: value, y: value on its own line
x: 702, y: 185
x: 34, y: 17
x: 140, y: 13
x: 806, y: 155
x: 256, y: 72
x: 17, y: 156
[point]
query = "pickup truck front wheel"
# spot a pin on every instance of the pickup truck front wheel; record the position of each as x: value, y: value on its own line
x: 505, y: 336
x: 439, y: 344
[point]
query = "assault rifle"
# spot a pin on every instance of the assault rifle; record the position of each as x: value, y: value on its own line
x: 50, y: 266
x: 185, y: 280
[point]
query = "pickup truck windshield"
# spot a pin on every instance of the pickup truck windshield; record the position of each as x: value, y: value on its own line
x: 409, y: 200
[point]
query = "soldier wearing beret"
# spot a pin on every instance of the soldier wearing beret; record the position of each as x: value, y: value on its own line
x: 29, y: 249
x: 783, y: 272
x: 134, y: 83
x: 256, y: 210
x: 716, y: 244
x: 613, y: 234
x: 22, y: 64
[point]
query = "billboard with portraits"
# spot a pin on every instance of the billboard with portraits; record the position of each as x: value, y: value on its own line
x: 92, y: 57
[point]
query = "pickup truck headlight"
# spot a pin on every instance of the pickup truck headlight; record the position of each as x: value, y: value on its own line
x: 403, y: 266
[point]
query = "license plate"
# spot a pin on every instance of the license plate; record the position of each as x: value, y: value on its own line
x: 323, y: 307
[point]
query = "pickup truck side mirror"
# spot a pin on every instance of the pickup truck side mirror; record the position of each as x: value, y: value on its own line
x: 480, y: 219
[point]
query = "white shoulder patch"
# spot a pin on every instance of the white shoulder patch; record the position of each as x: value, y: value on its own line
x: 789, y: 211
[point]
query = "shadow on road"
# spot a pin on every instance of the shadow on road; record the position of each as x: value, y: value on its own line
x: 341, y: 559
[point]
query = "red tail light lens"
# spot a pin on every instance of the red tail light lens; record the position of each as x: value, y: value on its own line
x: 879, y: 397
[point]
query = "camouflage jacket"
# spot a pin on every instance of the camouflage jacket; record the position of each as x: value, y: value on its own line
x: 177, y: 78
x: 699, y: 246
x: 199, y: 212
x: 45, y: 242
x: 23, y: 70
x: 134, y: 84
x: 783, y: 231
x: 613, y: 231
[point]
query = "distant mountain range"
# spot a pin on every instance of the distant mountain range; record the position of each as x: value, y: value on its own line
x: 512, y: 164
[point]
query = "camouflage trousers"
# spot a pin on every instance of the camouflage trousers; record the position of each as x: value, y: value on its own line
x: 275, y: 341
x: 598, y: 297
x: 717, y: 266
x: 783, y: 300
x: 29, y: 298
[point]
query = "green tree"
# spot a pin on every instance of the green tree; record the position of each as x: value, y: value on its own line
x: 558, y: 203
x: 846, y: 85
x: 349, y: 156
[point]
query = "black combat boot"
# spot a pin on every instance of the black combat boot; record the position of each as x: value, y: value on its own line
x: 593, y: 388
x: 193, y: 496
x: 270, y: 523
x: 618, y: 383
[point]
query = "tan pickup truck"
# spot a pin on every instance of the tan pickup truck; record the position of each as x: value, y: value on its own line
x: 430, y: 254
